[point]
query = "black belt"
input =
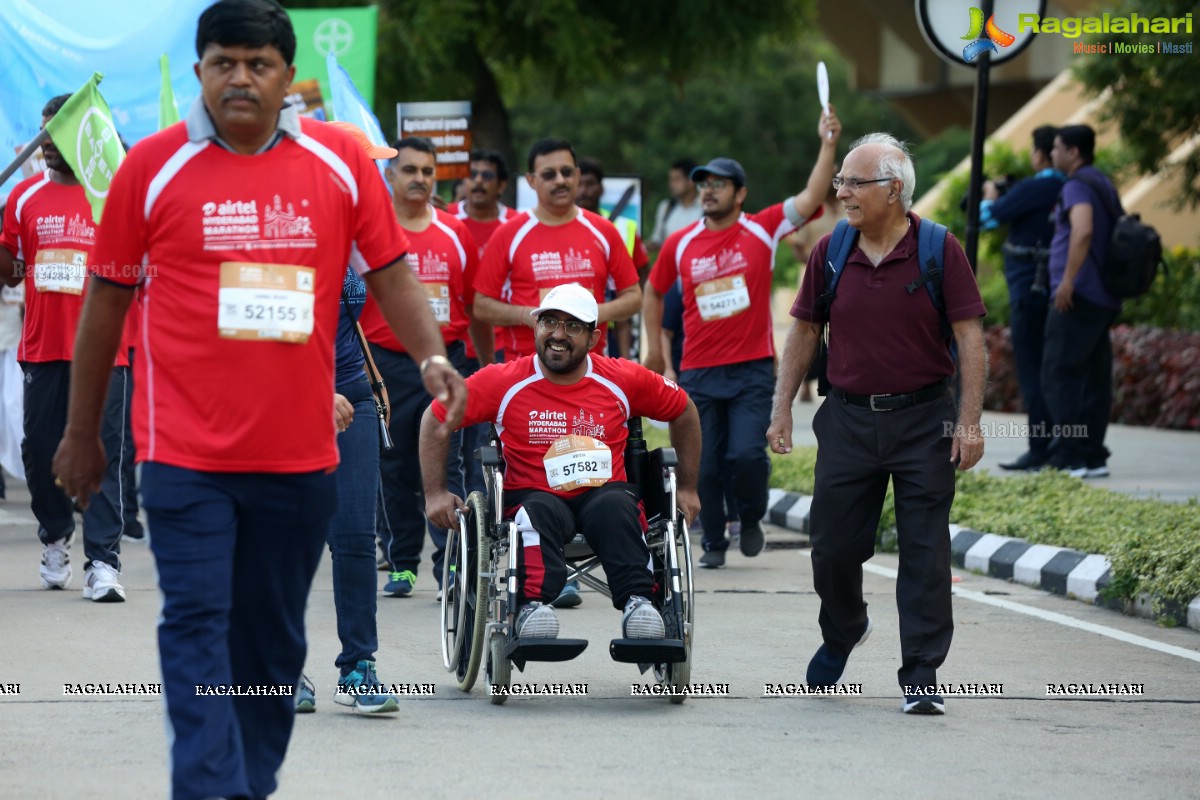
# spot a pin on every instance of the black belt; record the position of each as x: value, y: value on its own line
x: 891, y: 402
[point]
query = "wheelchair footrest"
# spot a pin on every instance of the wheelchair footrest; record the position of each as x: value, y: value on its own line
x: 530, y: 649
x: 648, y: 651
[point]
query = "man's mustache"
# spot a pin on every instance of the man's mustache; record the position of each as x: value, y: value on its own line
x: 239, y: 94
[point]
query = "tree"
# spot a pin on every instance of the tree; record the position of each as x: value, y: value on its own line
x: 492, y: 51
x: 1154, y: 99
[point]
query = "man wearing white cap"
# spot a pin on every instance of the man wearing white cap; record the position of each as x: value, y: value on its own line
x: 565, y: 399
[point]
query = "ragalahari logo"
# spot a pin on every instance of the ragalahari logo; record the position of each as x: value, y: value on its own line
x: 981, y: 42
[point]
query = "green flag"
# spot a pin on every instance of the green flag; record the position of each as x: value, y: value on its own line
x: 83, y: 131
x: 168, y: 112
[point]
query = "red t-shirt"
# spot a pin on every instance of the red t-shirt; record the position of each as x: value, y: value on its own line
x: 884, y: 339
x: 481, y: 231
x: 531, y: 413
x: 245, y: 258
x: 726, y: 286
x: 49, y: 226
x: 444, y: 259
x: 525, y: 259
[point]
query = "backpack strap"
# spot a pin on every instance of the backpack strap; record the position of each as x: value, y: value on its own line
x: 841, y: 243
x: 931, y: 254
x: 1114, y: 209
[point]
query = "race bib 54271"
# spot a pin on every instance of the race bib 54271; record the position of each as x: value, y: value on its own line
x: 722, y: 297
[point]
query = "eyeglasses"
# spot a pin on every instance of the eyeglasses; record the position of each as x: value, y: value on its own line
x: 573, y: 327
x: 712, y: 183
x: 483, y: 174
x: 855, y: 183
x: 549, y: 174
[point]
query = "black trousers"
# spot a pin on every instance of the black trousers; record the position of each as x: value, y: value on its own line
x: 47, y: 390
x: 1028, y: 327
x: 1077, y: 382
x: 609, y: 517
x: 857, y: 451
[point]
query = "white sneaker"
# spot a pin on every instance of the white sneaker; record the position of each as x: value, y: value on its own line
x: 537, y: 621
x: 56, y: 564
x: 101, y: 585
x: 642, y: 620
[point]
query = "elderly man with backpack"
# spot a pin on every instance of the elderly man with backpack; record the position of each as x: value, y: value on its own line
x: 896, y: 292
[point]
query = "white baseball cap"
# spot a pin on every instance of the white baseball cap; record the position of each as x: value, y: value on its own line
x: 571, y: 298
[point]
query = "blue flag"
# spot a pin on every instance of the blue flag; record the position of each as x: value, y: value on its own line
x: 347, y: 105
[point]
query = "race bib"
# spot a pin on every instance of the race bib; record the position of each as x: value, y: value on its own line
x: 438, y: 295
x: 577, y: 462
x: 59, y: 270
x: 265, y: 302
x: 722, y: 297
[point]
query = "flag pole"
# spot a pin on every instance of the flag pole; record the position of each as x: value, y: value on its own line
x: 24, y: 155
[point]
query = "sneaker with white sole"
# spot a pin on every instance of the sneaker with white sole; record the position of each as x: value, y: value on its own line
x: 828, y: 667
x: 537, y: 621
x: 102, y: 586
x: 642, y: 620
x: 929, y: 704
x: 56, y: 564
x: 362, y: 690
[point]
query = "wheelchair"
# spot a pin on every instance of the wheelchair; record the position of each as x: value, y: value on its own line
x: 479, y: 605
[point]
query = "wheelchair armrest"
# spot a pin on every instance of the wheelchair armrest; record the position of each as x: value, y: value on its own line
x: 489, y: 456
x: 663, y: 457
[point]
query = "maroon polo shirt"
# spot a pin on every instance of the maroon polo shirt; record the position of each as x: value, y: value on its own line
x: 882, y: 339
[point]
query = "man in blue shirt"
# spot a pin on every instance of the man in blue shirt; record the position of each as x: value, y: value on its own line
x: 1077, y: 360
x: 1026, y: 208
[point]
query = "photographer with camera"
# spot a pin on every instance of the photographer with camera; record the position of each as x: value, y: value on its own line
x: 1025, y: 206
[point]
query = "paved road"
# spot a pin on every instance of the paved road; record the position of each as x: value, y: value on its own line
x: 756, y: 624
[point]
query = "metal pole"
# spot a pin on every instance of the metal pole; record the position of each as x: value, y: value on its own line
x: 42, y: 136
x: 978, y: 135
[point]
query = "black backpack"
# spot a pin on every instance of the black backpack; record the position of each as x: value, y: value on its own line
x: 1134, y: 252
x: 931, y: 247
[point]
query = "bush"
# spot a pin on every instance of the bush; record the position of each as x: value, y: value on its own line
x: 1156, y: 377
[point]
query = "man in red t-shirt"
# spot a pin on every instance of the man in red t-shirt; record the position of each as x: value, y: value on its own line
x: 47, y: 242
x: 483, y: 214
x: 547, y: 409
x: 890, y: 414
x: 556, y: 242
x: 725, y: 262
x: 443, y: 257
x: 238, y: 223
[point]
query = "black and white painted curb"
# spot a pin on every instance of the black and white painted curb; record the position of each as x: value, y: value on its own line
x: 1060, y: 570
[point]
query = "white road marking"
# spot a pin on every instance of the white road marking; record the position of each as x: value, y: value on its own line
x: 1053, y: 616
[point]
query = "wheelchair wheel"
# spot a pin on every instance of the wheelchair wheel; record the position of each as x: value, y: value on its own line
x: 677, y: 610
x: 499, y: 668
x: 465, y: 600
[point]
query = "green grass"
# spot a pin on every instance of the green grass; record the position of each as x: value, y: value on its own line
x: 1154, y: 546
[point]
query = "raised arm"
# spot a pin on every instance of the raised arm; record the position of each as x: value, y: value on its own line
x: 807, y: 201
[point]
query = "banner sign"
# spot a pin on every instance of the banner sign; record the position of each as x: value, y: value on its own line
x: 448, y: 124
x: 53, y: 47
x: 348, y: 34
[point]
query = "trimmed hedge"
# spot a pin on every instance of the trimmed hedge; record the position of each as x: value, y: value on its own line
x: 1156, y: 377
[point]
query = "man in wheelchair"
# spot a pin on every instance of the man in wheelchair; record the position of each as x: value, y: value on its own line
x: 562, y: 422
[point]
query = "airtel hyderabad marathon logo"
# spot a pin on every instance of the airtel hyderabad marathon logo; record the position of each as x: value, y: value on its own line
x: 979, y: 41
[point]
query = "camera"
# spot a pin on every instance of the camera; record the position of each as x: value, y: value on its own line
x: 1002, y: 184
